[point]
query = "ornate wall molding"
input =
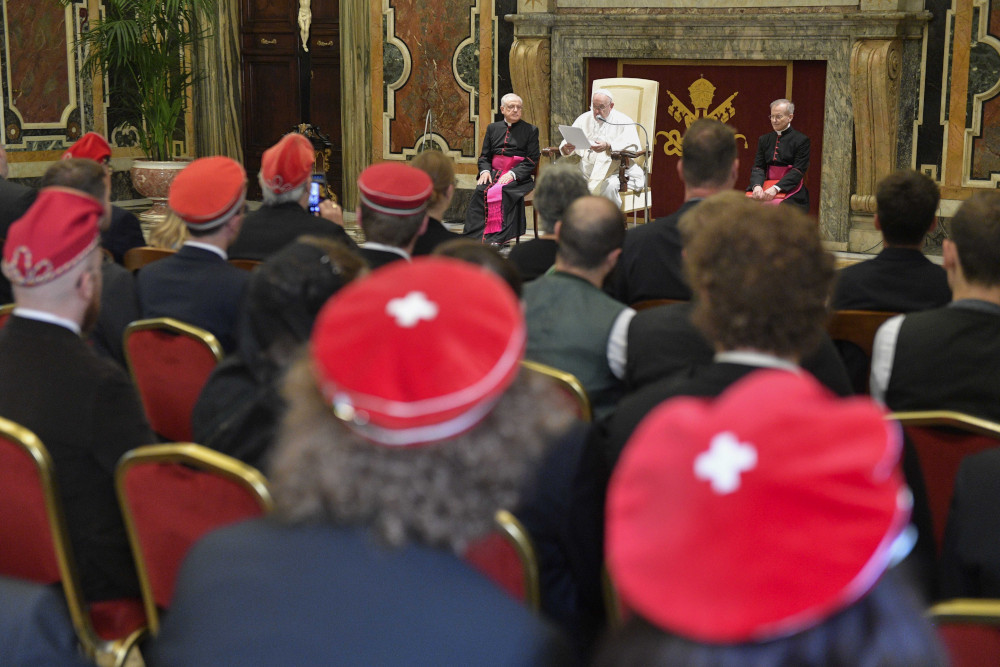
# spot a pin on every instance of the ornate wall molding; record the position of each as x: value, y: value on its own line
x: 529, y: 74
x: 875, y: 70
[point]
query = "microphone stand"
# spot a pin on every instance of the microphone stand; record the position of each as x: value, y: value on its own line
x: 645, y: 173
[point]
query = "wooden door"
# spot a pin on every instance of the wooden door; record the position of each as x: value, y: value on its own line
x: 282, y: 84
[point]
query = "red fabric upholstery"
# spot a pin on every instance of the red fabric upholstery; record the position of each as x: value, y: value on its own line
x: 940, y: 451
x: 172, y: 506
x: 114, y: 619
x: 25, y: 533
x: 496, y: 557
x: 3, y: 319
x: 170, y: 371
x: 971, y: 645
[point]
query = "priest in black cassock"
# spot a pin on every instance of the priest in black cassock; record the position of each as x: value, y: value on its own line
x: 782, y: 160
x: 510, y: 154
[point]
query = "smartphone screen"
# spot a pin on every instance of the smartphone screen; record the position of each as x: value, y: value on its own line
x: 314, y: 197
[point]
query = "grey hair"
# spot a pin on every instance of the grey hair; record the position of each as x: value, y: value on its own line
x: 791, y: 107
x: 275, y: 198
x: 557, y: 187
x: 508, y: 96
x: 443, y: 494
x: 602, y: 91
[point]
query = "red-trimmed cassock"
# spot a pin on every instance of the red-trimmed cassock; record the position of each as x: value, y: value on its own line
x: 502, y: 140
x: 791, y: 149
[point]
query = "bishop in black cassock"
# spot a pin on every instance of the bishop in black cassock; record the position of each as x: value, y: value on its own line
x: 511, y: 137
x: 784, y: 147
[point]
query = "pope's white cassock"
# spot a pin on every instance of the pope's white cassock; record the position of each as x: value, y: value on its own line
x: 599, y: 169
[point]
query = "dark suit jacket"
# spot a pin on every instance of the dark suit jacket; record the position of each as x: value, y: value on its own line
x: 899, y: 280
x: 123, y: 233
x: 650, y: 263
x: 533, y: 258
x: 35, y: 627
x: 261, y: 593
x: 663, y: 342
x: 196, y: 286
x: 87, y: 414
x: 435, y: 234
x: 15, y: 199
x: 378, y: 258
x: 270, y: 228
x: 970, y: 562
x: 119, y: 307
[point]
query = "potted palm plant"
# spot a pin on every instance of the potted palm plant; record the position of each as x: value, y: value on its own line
x: 143, y: 47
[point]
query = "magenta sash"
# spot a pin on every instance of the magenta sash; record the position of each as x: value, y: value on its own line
x: 774, y: 174
x: 494, y: 195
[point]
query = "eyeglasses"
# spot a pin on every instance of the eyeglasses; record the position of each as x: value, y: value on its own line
x: 512, y: 107
x: 776, y: 117
x: 601, y: 107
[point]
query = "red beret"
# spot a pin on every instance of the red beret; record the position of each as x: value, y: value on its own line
x: 287, y: 164
x: 53, y: 236
x: 208, y: 191
x: 91, y: 146
x: 418, y: 352
x: 758, y: 515
x: 395, y: 188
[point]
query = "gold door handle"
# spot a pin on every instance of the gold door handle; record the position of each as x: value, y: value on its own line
x: 322, y: 43
x: 268, y: 42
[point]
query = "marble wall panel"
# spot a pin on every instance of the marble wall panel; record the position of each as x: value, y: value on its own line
x: 39, y: 84
x: 431, y: 64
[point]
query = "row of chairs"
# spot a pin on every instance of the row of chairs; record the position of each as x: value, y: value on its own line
x: 170, y: 496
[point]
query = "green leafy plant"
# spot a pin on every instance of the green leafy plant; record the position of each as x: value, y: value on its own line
x: 142, y: 46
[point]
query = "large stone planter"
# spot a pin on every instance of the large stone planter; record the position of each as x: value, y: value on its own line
x: 152, y: 179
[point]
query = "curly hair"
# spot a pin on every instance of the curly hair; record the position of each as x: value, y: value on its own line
x: 761, y: 275
x: 443, y: 495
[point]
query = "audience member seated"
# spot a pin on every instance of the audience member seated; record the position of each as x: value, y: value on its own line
x: 408, y: 426
x: 572, y: 324
x: 650, y: 265
x: 35, y: 626
x: 83, y: 408
x: 486, y: 256
x: 197, y: 284
x: 508, y: 159
x: 558, y: 186
x: 119, y: 302
x: 970, y: 560
x: 760, y: 529
x: 392, y: 211
x: 947, y: 358
x: 899, y: 279
x: 285, y: 175
x: 442, y: 174
x: 170, y: 233
x: 240, y: 407
x: 124, y: 230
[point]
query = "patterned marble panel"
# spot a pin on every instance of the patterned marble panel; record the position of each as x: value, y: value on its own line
x: 39, y: 84
x: 984, y: 88
x: 429, y: 43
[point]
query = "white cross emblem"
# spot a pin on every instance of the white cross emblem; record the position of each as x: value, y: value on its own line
x: 724, y: 461
x: 412, y: 308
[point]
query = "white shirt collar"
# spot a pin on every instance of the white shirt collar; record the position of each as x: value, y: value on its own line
x: 45, y: 316
x: 386, y: 248
x: 787, y: 128
x: 753, y: 358
x: 211, y: 248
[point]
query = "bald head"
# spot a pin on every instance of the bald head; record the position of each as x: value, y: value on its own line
x: 591, y: 229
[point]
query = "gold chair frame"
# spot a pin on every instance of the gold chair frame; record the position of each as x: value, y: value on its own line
x: 138, y: 257
x: 172, y: 325
x: 567, y: 381
x: 93, y: 645
x: 515, y: 533
x: 951, y: 418
x: 195, y: 456
x: 966, y: 610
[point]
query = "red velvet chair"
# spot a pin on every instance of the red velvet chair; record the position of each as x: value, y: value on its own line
x: 170, y: 361
x: 568, y: 383
x: 170, y: 496
x: 970, y: 630
x: 507, y: 557
x: 941, y: 440
x: 36, y: 546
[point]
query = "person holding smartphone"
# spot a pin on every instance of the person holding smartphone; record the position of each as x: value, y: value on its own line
x: 287, y: 182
